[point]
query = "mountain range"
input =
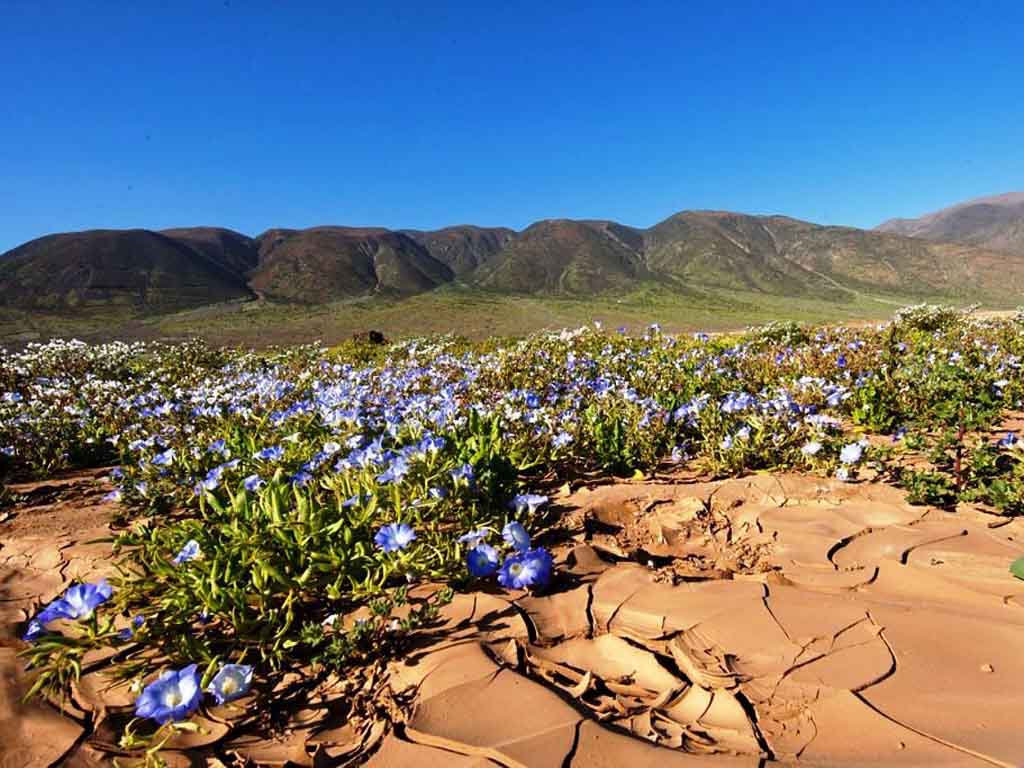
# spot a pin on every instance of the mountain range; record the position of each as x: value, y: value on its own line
x: 972, y: 250
x: 995, y: 222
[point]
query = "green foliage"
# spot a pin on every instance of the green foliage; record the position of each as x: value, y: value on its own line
x: 926, y: 487
x: 1017, y: 568
x: 282, y: 467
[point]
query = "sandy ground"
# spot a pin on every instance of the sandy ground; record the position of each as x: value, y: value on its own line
x: 770, y: 619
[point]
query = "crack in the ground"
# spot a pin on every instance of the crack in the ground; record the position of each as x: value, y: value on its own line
x: 951, y: 745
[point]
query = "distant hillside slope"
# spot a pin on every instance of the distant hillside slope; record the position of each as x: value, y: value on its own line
x: 223, y: 246
x: 564, y: 256
x: 771, y: 254
x: 691, y: 250
x: 462, y: 248
x: 137, y: 268
x: 323, y: 263
x: 996, y: 223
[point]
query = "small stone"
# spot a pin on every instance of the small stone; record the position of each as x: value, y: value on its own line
x: 987, y: 668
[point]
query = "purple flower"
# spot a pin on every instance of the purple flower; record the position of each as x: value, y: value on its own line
x: 473, y: 538
x: 78, y: 602
x: 530, y: 569
x: 129, y: 632
x: 482, y: 560
x: 253, y: 483
x: 172, y: 697
x: 527, y: 503
x: 1009, y: 441
x: 301, y: 478
x: 515, y: 534
x: 189, y: 552
x: 398, y: 469
x: 274, y: 453
x: 561, y: 440
x: 231, y: 682
x: 394, y: 536
x: 164, y: 459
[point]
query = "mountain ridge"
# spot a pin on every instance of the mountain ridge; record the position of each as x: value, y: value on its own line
x: 693, y: 249
x: 995, y: 222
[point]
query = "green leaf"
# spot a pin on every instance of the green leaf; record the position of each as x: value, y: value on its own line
x: 1017, y: 568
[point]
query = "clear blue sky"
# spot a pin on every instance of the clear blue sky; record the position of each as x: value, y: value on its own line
x: 251, y: 115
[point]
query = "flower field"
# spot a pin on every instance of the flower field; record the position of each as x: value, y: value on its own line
x: 309, y: 514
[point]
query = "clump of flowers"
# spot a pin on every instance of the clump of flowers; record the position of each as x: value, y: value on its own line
x: 278, y: 490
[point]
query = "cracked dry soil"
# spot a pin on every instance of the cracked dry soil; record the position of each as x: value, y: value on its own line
x: 773, y: 619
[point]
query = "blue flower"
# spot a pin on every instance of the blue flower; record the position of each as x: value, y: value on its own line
x: 473, y: 538
x: 211, y: 481
x: 851, y: 454
x: 810, y: 448
x: 398, y: 469
x: 465, y: 472
x: 482, y: 560
x: 516, y: 535
x: 78, y: 602
x: 273, y: 453
x: 252, y: 483
x: 527, y: 503
x: 301, y: 478
x: 231, y: 682
x: 129, y: 632
x: 172, y: 697
x: 1009, y: 441
x: 164, y: 459
x: 526, y: 569
x: 394, y: 536
x: 189, y: 552
x: 561, y: 440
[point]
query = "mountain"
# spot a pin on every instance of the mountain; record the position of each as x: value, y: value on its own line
x: 566, y: 256
x: 324, y: 263
x: 231, y: 249
x: 134, y: 267
x: 692, y: 250
x: 463, y: 248
x: 996, y: 223
x: 727, y: 250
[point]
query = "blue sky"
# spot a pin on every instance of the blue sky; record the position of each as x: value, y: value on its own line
x: 252, y: 115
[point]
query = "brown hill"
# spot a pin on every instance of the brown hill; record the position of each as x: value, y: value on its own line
x: 463, y: 248
x: 692, y: 250
x: 564, y: 256
x: 325, y: 263
x: 138, y: 268
x: 996, y: 223
x: 223, y: 246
